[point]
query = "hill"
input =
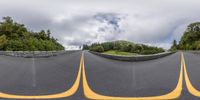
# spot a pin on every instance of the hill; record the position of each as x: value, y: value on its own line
x: 16, y: 37
x: 190, y: 39
x: 123, y: 46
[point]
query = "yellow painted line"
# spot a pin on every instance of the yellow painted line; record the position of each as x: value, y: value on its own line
x: 189, y: 85
x: 90, y: 94
x: 67, y: 93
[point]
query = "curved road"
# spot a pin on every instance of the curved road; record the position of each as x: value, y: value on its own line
x: 79, y: 77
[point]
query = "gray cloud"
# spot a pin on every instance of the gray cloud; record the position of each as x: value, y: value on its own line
x: 75, y: 22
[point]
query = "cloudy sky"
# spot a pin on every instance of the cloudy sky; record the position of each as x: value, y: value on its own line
x: 76, y: 22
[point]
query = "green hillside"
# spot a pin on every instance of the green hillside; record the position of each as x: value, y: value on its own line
x: 190, y: 39
x: 123, y: 46
x: 16, y: 37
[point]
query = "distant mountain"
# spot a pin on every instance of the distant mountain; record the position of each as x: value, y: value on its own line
x: 16, y: 37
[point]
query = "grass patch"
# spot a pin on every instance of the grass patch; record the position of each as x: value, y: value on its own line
x: 119, y: 53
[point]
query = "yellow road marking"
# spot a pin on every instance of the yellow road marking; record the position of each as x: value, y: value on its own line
x: 89, y: 93
x: 189, y: 85
x: 67, y: 93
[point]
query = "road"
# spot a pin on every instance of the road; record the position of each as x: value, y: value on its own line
x: 82, y: 76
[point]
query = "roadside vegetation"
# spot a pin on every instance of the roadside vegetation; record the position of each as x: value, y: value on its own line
x: 121, y: 53
x: 122, y: 47
x: 16, y: 37
x: 190, y: 39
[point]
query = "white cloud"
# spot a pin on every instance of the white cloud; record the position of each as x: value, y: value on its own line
x: 74, y: 22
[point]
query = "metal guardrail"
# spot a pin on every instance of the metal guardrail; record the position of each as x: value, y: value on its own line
x: 133, y: 58
x: 35, y: 54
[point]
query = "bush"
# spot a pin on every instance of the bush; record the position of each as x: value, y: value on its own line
x: 15, y: 45
x: 197, y: 45
x: 146, y: 52
x: 97, y: 49
x: 3, y: 41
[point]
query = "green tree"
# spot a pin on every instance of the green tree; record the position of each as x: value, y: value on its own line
x: 15, y: 36
x: 15, y: 45
x: 197, y: 45
x: 85, y: 47
x: 190, y: 38
x: 174, y: 46
x: 3, y: 42
x: 97, y: 48
x: 42, y: 35
x: 48, y: 34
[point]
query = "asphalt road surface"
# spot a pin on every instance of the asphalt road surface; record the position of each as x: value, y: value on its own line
x: 81, y: 77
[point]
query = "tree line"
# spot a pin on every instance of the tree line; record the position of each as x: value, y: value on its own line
x: 124, y: 46
x: 16, y: 37
x: 190, y: 39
